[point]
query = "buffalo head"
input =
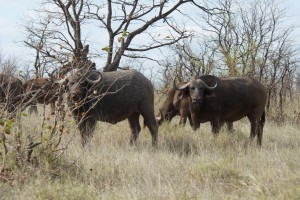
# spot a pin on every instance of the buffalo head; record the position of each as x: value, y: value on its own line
x: 79, y: 83
x: 196, y: 89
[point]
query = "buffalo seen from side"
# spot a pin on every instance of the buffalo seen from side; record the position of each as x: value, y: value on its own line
x: 16, y: 94
x: 110, y: 97
x: 44, y: 90
x: 221, y: 100
x: 175, y: 105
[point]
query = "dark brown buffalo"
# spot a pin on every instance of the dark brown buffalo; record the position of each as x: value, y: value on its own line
x: 226, y: 99
x: 47, y: 92
x: 111, y: 97
x: 10, y: 90
x: 175, y: 104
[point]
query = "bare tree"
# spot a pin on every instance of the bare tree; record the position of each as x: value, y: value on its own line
x: 126, y: 24
x: 8, y: 65
x: 248, y: 38
x: 126, y: 20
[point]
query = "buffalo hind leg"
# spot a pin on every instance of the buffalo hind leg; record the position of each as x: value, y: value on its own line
x: 150, y: 122
x: 260, y: 129
x: 134, y: 126
x: 254, y: 128
x: 257, y: 119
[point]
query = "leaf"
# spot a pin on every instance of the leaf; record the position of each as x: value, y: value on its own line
x: 25, y: 114
x: 105, y: 49
x: 9, y: 124
x: 49, y: 127
x: 45, y: 138
x: 124, y: 33
x: 7, y: 130
x: 120, y: 39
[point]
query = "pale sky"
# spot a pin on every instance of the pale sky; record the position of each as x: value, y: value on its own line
x: 13, y: 11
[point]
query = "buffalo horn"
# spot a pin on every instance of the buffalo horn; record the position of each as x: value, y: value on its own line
x: 208, y: 87
x: 181, y: 87
x: 94, y: 82
x: 54, y: 80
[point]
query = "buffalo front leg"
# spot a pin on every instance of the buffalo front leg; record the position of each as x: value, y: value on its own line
x: 182, y: 120
x: 215, y: 125
x: 229, y: 126
x: 190, y: 120
x: 134, y: 126
x: 183, y: 116
x: 86, y: 127
x: 195, y: 121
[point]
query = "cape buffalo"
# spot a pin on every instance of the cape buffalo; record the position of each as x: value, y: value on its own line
x: 177, y: 103
x: 226, y: 99
x: 10, y: 88
x: 174, y: 105
x: 48, y: 92
x: 111, y: 97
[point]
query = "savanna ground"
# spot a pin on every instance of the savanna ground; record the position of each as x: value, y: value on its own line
x: 186, y: 164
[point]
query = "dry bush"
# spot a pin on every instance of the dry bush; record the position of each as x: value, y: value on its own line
x: 185, y: 165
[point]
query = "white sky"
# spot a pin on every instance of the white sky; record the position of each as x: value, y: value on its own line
x: 12, y: 13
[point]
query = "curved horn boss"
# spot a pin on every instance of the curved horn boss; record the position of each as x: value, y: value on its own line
x: 183, y: 87
x: 95, y: 82
x: 209, y: 87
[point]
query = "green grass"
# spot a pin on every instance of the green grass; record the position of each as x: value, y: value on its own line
x: 185, y: 165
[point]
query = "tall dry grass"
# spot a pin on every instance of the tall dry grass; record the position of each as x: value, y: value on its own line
x: 185, y: 165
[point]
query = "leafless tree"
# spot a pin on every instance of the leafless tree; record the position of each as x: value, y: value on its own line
x: 249, y: 38
x: 8, y: 64
x: 128, y: 26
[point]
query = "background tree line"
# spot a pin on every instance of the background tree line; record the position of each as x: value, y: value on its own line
x: 236, y: 38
